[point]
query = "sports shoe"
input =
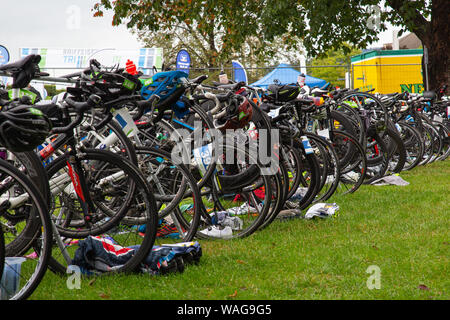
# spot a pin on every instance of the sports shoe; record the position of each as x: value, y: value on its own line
x: 215, y: 232
x: 289, y: 214
x: 166, y: 230
x: 245, y: 208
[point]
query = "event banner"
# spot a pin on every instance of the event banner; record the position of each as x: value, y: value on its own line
x: 71, y: 58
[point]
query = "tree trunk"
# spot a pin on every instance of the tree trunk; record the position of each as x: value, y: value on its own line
x: 437, y: 40
x: 434, y: 34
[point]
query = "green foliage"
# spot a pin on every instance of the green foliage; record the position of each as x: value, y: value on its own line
x: 227, y: 26
x: 330, y: 23
x: 334, y: 75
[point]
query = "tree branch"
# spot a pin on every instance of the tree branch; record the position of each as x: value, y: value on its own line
x: 417, y: 23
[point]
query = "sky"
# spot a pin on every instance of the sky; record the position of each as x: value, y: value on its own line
x: 59, y: 24
x: 69, y: 24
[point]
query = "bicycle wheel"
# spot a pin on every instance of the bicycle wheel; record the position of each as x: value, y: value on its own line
x: 117, y: 189
x: 329, y: 162
x: 427, y: 138
x: 2, y: 252
x: 292, y: 161
x: 176, y: 193
x: 371, y: 109
x: 23, y: 222
x: 309, y: 178
x: 341, y: 121
x: 353, y: 173
x: 437, y: 143
x: 355, y: 119
x: 24, y: 269
x: 444, y: 132
x: 278, y: 183
x: 396, y: 149
x: 413, y: 145
x: 377, y: 156
x: 195, y: 131
x: 237, y: 198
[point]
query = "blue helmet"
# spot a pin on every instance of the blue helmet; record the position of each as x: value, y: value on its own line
x: 169, y: 87
x: 164, y: 84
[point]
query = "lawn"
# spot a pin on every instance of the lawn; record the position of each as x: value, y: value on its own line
x: 402, y: 231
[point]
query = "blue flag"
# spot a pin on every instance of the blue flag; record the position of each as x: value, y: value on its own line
x: 183, y: 61
x: 239, y: 72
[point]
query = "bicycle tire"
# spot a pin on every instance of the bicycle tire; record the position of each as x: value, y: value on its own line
x: 310, y: 172
x: 332, y: 173
x: 170, y: 184
x: 253, y: 215
x: 34, y: 198
x: 397, y: 150
x: 437, y: 142
x: 377, y: 165
x: 2, y: 252
x: 29, y: 164
x: 293, y: 165
x: 353, y: 174
x: 115, y: 228
x: 413, y: 142
x: 280, y: 189
x: 445, y: 135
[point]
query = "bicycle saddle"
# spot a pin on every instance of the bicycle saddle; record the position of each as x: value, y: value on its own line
x: 23, y: 70
x: 231, y: 86
x: 21, y: 64
x: 199, y: 79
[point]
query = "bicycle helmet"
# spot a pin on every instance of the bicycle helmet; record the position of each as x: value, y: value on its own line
x: 239, y: 114
x: 23, y: 128
x: 110, y: 85
x: 165, y: 85
x: 168, y: 86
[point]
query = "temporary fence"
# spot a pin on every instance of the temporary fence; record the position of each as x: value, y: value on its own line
x: 383, y: 78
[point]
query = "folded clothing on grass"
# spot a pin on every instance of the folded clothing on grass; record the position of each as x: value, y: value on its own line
x: 96, y: 255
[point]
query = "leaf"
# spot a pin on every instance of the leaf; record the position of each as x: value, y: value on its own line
x: 91, y: 282
x: 423, y: 287
x: 233, y: 295
x: 241, y: 262
x: 104, y: 295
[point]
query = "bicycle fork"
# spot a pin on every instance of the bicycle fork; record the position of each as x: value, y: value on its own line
x: 80, y: 186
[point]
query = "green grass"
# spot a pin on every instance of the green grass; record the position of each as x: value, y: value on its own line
x: 402, y: 230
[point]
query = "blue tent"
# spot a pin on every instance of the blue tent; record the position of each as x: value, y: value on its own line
x: 286, y: 75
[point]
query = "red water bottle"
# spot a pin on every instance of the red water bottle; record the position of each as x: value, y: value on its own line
x: 131, y: 67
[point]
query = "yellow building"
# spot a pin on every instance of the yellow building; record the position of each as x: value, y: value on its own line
x: 388, y: 71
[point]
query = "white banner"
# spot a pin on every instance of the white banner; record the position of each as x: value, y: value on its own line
x: 62, y: 58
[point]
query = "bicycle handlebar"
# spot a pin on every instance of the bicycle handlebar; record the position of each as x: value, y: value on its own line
x: 80, y: 108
